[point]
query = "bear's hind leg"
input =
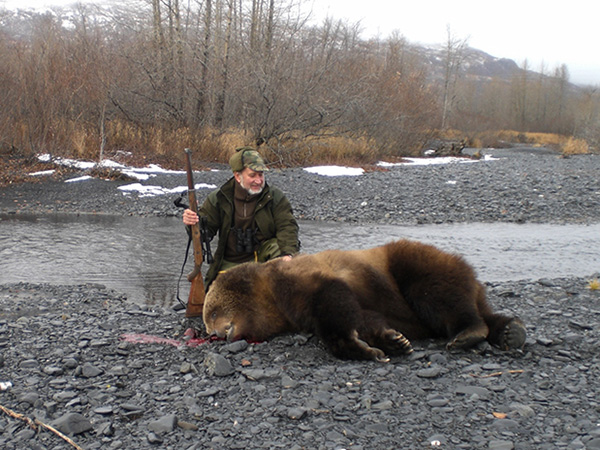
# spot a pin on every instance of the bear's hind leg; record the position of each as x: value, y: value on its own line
x: 470, y: 336
x: 376, y: 331
x: 356, y: 348
x: 506, y: 333
x: 393, y: 342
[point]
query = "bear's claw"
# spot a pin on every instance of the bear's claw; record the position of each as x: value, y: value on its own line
x: 396, y: 343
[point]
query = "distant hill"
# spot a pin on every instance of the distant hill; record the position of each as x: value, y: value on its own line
x: 476, y: 64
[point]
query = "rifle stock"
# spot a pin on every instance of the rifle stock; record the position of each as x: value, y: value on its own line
x: 196, y: 297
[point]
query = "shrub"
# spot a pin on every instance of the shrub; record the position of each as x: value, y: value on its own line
x: 575, y: 146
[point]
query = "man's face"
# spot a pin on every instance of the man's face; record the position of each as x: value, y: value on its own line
x: 253, y: 182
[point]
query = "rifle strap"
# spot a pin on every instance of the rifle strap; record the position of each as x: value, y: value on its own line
x: 180, y: 204
x: 187, y: 253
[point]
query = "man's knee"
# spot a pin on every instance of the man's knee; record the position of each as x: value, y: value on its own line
x: 268, y: 250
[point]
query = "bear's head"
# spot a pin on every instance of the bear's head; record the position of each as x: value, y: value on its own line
x: 239, y: 305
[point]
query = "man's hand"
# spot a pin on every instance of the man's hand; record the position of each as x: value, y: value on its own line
x: 287, y: 257
x: 190, y: 217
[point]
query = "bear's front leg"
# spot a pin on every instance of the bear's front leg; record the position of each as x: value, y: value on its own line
x: 352, y: 347
x: 376, y: 331
x: 336, y: 317
x: 393, y: 342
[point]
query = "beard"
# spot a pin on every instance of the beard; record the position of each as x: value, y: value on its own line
x: 250, y: 190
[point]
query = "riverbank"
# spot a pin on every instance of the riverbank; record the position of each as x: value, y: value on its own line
x: 115, y: 375
x: 110, y: 374
x: 507, y: 185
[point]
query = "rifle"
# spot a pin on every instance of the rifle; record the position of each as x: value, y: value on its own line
x: 201, y: 244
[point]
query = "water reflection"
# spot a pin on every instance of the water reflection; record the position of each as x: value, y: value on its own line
x: 142, y: 257
x: 138, y: 257
x: 498, y: 251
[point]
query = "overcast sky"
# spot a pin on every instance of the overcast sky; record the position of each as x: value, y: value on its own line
x: 540, y: 31
x: 537, y: 30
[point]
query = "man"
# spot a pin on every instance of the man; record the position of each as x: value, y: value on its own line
x: 254, y: 221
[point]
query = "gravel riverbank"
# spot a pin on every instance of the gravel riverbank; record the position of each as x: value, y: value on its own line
x: 113, y: 375
x: 517, y: 185
x: 77, y: 361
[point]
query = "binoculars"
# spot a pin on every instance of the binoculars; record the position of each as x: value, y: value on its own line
x: 245, y: 240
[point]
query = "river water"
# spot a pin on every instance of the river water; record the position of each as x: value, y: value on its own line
x: 142, y: 257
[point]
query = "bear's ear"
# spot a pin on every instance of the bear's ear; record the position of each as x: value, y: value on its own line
x: 232, y: 289
x: 239, y: 278
x: 243, y: 286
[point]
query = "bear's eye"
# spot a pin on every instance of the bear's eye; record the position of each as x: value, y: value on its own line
x: 213, y: 316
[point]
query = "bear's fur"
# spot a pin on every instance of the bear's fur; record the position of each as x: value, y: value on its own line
x: 363, y: 304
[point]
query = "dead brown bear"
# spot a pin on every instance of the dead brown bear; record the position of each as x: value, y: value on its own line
x: 363, y: 304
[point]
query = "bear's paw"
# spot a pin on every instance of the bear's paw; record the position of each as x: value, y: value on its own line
x: 394, y: 343
x: 513, y: 335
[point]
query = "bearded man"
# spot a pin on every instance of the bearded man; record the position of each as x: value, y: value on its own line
x: 254, y: 221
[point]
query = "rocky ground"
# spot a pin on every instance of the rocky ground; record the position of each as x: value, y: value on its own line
x: 521, y: 185
x: 109, y: 374
x: 82, y: 361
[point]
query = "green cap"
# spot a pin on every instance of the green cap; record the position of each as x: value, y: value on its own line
x: 247, y: 157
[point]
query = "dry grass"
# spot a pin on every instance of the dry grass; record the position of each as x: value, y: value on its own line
x: 574, y: 146
x: 326, y: 150
x: 17, y: 168
x: 567, y: 145
x: 164, y: 145
x: 451, y: 134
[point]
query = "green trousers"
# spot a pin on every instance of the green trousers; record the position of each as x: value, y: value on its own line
x: 267, y: 250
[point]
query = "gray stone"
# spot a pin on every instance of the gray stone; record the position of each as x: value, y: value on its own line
x: 28, y: 364
x: 103, y: 410
x: 164, y: 424
x: 522, y: 410
x: 431, y: 372
x: 154, y: 438
x: 72, y: 424
x: 473, y: 390
x: 501, y: 445
x: 506, y: 424
x: 186, y: 367
x: 593, y: 444
x: 237, y: 346
x: 29, y: 397
x: 383, y: 405
x: 90, y: 371
x: 53, y: 370
x: 296, y: 413
x: 218, y: 365
x: 260, y: 374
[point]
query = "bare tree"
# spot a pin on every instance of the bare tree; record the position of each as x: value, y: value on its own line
x: 453, y: 60
x: 206, y: 59
x: 253, y: 67
x: 520, y: 87
x: 561, y: 75
x: 587, y: 125
x: 225, y: 68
